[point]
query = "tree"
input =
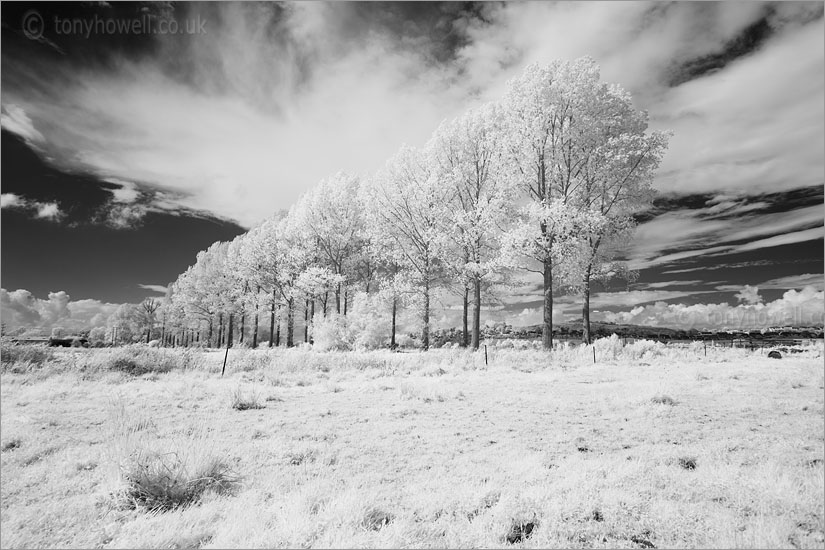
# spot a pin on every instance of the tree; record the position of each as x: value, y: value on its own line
x: 468, y: 158
x: 146, y: 316
x: 553, y: 113
x: 330, y: 214
x: 619, y: 159
x: 404, y: 206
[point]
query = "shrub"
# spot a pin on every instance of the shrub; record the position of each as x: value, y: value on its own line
x: 369, y: 322
x: 609, y: 348
x: 663, y: 400
x: 330, y: 332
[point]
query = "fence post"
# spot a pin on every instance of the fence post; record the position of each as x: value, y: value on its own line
x: 594, y: 355
x: 485, y: 354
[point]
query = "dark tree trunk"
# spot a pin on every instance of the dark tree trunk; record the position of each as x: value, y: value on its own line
x: 476, y: 313
x: 229, y: 331
x: 306, y: 321
x: 255, y: 331
x: 465, y: 334
x: 586, y: 336
x: 290, y: 323
x: 311, y: 318
x: 394, y: 312
x: 220, y: 330
x: 209, y: 336
x: 243, y: 327
x: 547, y: 327
x: 278, y: 329
x: 338, y: 298
x: 326, y: 297
x: 272, y: 320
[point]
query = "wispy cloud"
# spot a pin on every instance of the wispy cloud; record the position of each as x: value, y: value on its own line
x: 160, y: 289
x: 272, y: 99
x: 40, y: 210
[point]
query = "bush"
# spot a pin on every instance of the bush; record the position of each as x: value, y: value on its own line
x: 330, y: 333
x: 369, y: 322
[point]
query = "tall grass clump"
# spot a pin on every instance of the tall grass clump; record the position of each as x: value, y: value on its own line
x: 157, y: 474
x: 21, y: 358
x: 137, y: 360
x: 241, y: 400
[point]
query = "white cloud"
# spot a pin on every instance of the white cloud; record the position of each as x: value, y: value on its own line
x: 814, y: 280
x: 260, y: 120
x: 160, y: 289
x: 20, y: 308
x: 14, y: 119
x: 797, y: 308
x: 10, y: 200
x: 48, y: 210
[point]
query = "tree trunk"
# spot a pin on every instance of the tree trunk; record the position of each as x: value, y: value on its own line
x: 326, y: 297
x: 220, y: 330
x: 465, y: 334
x: 393, y: 345
x: 209, y: 336
x: 345, y: 300
x: 311, y: 318
x: 306, y: 321
x: 243, y: 326
x: 272, y: 320
x: 586, y: 337
x: 547, y: 327
x: 290, y: 323
x: 425, y: 331
x: 255, y: 332
x: 278, y: 329
x: 338, y: 298
x: 148, y: 332
x: 229, y: 331
x: 476, y: 312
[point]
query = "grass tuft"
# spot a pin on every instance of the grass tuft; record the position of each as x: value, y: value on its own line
x: 242, y: 400
x: 520, y: 531
x: 376, y: 519
x: 663, y: 400
x: 12, y: 444
x: 688, y: 462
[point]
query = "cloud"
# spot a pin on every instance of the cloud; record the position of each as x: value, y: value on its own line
x: 814, y: 280
x: 21, y: 309
x: 10, y: 200
x: 160, y: 289
x: 39, y: 210
x: 14, y: 119
x: 805, y: 307
x: 272, y: 99
x: 749, y: 295
x: 48, y: 210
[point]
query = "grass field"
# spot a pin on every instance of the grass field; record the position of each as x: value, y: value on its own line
x: 646, y: 448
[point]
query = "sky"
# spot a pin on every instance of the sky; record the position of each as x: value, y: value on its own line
x: 125, y: 152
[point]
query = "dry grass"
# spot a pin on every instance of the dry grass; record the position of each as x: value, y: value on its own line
x: 422, y: 450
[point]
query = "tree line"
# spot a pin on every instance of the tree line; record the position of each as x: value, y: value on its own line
x: 546, y: 179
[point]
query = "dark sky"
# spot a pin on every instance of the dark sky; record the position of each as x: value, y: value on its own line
x: 124, y: 154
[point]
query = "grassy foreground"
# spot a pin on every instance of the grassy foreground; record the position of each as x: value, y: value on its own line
x: 301, y: 449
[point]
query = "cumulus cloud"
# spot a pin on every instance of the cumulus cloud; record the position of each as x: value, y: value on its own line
x: 21, y: 309
x: 39, y: 210
x: 749, y: 295
x: 804, y: 307
x: 10, y: 200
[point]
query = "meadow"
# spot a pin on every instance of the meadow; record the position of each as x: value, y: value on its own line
x: 648, y: 447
